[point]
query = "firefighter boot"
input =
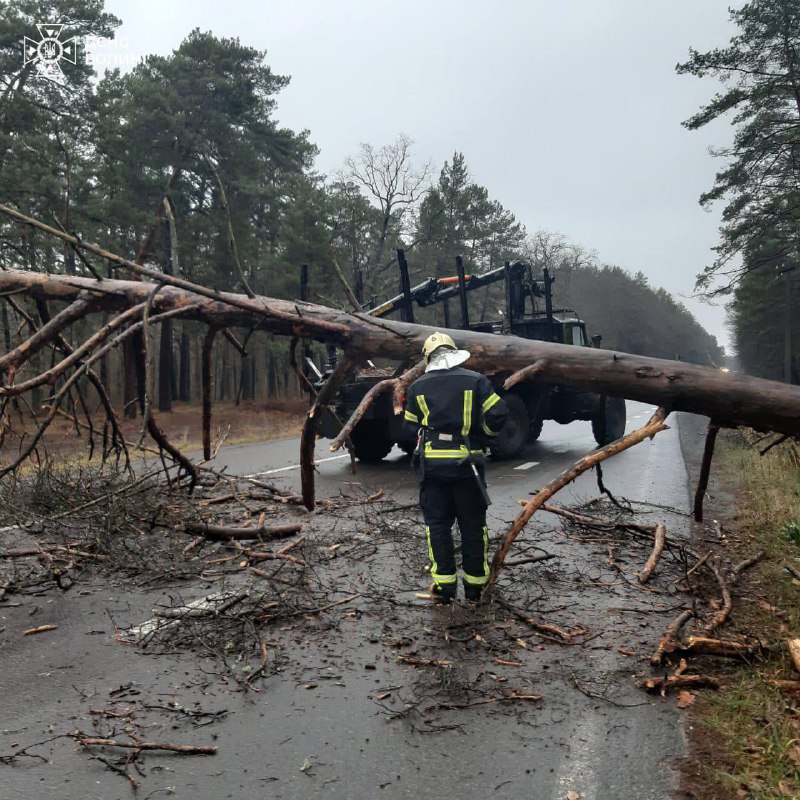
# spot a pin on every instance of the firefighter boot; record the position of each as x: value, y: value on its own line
x: 443, y: 593
x: 472, y: 592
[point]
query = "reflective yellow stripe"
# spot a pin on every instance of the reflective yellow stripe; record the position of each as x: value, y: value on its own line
x: 438, y: 578
x: 459, y: 454
x: 486, y: 552
x: 490, y: 401
x: 480, y: 580
x: 424, y: 406
x: 430, y: 550
x: 488, y: 431
x: 462, y: 452
x: 410, y: 417
x: 467, y: 424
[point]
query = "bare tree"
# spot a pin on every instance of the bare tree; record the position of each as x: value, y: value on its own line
x: 555, y: 250
x: 389, y: 178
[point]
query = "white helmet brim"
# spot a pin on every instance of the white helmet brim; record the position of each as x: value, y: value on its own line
x: 447, y: 360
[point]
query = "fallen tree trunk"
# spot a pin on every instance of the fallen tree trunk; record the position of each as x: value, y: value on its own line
x: 728, y: 398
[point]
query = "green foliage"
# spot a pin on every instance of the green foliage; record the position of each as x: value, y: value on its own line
x: 756, y: 315
x: 760, y: 71
x: 45, y: 145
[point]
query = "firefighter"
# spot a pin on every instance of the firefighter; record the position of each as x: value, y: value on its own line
x: 455, y: 411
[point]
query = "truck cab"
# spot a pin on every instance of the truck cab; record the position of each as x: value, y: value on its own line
x: 528, y: 314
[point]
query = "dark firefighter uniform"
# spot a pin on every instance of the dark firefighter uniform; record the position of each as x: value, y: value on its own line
x: 455, y: 410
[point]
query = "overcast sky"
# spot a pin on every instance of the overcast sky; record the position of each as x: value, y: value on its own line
x: 568, y: 112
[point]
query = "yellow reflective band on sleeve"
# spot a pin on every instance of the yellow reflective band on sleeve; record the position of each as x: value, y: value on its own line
x: 410, y: 417
x: 424, y: 406
x: 488, y: 431
x: 490, y: 401
x: 467, y: 424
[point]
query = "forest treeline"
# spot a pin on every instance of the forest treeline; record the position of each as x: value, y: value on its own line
x: 181, y: 162
x: 756, y: 262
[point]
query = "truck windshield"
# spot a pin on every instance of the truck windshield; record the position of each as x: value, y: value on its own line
x: 574, y: 334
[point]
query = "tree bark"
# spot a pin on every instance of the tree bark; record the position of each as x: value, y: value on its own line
x: 165, y: 368
x: 129, y: 379
x: 308, y: 436
x: 208, y: 390
x: 705, y: 469
x: 185, y: 368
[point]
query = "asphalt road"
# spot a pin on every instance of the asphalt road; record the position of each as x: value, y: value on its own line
x: 317, y: 731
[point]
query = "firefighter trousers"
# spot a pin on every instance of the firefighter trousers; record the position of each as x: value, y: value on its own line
x: 444, y: 502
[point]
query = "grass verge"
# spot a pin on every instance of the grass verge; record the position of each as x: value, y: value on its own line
x: 746, y: 737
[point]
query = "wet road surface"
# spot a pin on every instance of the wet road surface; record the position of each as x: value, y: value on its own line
x: 340, y: 719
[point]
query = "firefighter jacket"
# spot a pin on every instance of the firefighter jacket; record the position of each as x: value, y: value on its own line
x: 455, y: 410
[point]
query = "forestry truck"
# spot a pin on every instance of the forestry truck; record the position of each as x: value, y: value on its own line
x: 529, y: 314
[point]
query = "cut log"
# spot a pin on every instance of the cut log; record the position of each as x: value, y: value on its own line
x: 704, y: 646
x: 784, y: 685
x: 221, y: 533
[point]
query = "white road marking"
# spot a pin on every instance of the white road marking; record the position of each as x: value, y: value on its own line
x: 579, y: 773
x: 528, y: 465
x: 294, y: 466
x: 139, y: 633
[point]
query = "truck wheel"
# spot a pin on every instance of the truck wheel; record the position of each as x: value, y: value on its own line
x: 608, y: 424
x: 514, y: 433
x: 370, y: 442
x: 535, y: 430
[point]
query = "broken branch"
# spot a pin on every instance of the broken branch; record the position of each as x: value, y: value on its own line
x: 658, y: 549
x: 647, y: 431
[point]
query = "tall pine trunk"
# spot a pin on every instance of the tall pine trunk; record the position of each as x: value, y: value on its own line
x: 185, y: 368
x: 129, y: 377
x: 165, y: 368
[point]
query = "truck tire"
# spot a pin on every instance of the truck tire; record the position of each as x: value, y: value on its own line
x: 370, y: 441
x: 608, y: 424
x: 514, y: 434
x: 535, y: 430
